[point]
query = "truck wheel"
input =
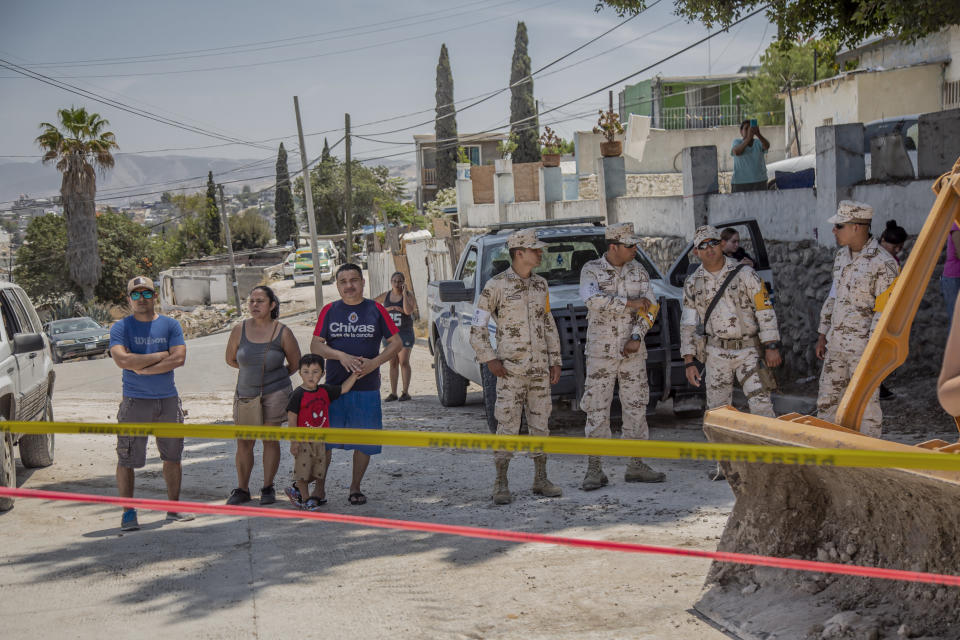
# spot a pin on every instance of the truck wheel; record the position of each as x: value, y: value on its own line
x: 36, y: 450
x: 451, y: 386
x: 8, y: 470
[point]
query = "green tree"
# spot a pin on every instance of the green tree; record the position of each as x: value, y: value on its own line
x: 524, y: 123
x: 212, y: 216
x: 847, y: 22
x: 328, y: 185
x: 125, y: 248
x: 192, y: 231
x: 248, y: 230
x: 285, y: 220
x: 780, y: 68
x: 445, y: 126
x: 81, y: 146
x: 445, y: 198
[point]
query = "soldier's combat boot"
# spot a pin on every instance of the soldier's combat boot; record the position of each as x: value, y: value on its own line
x: 541, y: 485
x: 595, y: 478
x: 638, y: 471
x: 501, y: 491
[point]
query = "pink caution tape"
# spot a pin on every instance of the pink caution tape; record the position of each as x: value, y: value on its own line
x: 493, y: 534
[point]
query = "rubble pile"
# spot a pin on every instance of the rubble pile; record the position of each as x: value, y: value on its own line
x: 203, y: 320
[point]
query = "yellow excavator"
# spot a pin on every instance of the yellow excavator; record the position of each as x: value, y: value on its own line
x: 892, y: 518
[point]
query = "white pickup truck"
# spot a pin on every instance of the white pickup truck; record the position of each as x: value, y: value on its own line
x: 26, y: 384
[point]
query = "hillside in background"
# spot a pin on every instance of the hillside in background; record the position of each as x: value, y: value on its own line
x: 138, y: 177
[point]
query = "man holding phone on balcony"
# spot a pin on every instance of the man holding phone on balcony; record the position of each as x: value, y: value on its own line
x: 749, y: 159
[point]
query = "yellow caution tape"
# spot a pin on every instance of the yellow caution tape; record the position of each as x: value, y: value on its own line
x: 707, y: 451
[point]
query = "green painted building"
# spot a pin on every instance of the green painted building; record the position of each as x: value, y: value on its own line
x: 691, y: 102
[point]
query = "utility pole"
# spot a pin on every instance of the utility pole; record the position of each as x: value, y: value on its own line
x: 349, y: 188
x: 311, y: 220
x: 233, y: 265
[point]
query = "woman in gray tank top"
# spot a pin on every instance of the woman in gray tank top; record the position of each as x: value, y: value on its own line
x: 267, y: 354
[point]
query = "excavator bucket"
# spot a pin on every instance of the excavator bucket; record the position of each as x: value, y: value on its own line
x: 883, y: 517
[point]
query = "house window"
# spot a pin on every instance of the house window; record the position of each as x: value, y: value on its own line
x: 474, y: 153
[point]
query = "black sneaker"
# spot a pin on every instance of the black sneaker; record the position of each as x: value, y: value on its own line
x: 405, y: 396
x: 268, y: 495
x: 238, y: 496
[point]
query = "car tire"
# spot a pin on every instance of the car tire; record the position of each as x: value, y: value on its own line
x: 36, y: 449
x: 8, y: 470
x: 451, y: 386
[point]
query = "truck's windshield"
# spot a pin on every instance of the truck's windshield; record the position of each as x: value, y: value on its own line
x: 563, y: 259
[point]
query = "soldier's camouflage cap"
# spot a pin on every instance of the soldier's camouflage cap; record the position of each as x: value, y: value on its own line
x: 621, y: 232
x: 524, y: 239
x: 706, y: 232
x: 851, y: 211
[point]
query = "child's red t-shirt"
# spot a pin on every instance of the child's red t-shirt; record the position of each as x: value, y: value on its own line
x: 313, y: 407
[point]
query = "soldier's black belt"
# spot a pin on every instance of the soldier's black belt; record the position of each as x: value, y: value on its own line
x: 731, y: 343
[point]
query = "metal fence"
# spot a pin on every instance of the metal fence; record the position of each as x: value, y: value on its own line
x: 702, y: 117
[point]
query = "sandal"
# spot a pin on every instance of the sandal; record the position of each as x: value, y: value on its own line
x: 390, y: 398
x: 314, y: 504
x: 357, y: 498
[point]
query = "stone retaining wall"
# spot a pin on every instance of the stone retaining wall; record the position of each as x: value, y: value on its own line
x: 802, y: 275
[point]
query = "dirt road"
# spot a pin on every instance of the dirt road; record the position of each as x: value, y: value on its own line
x: 65, y: 569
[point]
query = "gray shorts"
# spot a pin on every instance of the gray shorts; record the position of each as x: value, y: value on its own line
x: 132, y: 450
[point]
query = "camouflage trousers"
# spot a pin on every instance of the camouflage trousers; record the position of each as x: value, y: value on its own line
x: 837, y: 371
x: 723, y: 366
x: 602, y: 376
x: 513, y: 393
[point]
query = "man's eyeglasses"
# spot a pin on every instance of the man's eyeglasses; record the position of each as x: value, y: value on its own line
x: 628, y: 246
x: 838, y: 226
x: 706, y: 244
x: 146, y: 295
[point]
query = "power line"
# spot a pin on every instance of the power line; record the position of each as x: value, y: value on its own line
x: 316, y: 55
x: 119, y: 105
x: 431, y: 16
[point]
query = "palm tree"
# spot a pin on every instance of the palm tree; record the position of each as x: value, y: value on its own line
x: 81, y: 147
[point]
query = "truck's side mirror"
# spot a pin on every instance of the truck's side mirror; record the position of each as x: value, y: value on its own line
x: 27, y: 342
x: 454, y: 291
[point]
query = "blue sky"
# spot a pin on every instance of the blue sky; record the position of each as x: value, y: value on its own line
x: 220, y: 85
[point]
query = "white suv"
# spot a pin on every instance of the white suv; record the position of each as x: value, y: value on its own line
x: 26, y: 384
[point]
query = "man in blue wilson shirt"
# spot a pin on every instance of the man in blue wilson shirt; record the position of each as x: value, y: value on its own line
x: 148, y: 347
x: 348, y: 334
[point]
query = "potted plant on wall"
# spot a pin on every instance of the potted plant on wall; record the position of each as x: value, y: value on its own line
x: 505, y: 148
x: 609, y: 125
x: 552, y: 147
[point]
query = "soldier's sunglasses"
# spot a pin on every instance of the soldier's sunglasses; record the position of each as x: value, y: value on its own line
x: 706, y: 244
x: 146, y: 295
x: 628, y: 246
x: 838, y: 226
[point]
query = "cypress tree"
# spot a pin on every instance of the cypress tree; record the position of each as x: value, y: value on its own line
x: 285, y: 221
x: 325, y: 154
x: 446, y: 124
x: 524, y: 123
x: 213, y: 215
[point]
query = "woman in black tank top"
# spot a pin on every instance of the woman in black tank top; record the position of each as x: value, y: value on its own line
x: 401, y: 305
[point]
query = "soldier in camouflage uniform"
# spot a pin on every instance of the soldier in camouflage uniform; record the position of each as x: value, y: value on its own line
x: 527, y: 358
x: 863, y: 277
x: 742, y: 319
x: 618, y: 295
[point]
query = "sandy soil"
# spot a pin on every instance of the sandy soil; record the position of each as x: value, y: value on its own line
x: 232, y: 577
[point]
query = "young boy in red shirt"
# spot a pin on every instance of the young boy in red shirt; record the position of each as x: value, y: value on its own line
x: 309, y: 406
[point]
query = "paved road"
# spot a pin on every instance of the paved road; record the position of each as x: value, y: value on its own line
x: 65, y: 568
